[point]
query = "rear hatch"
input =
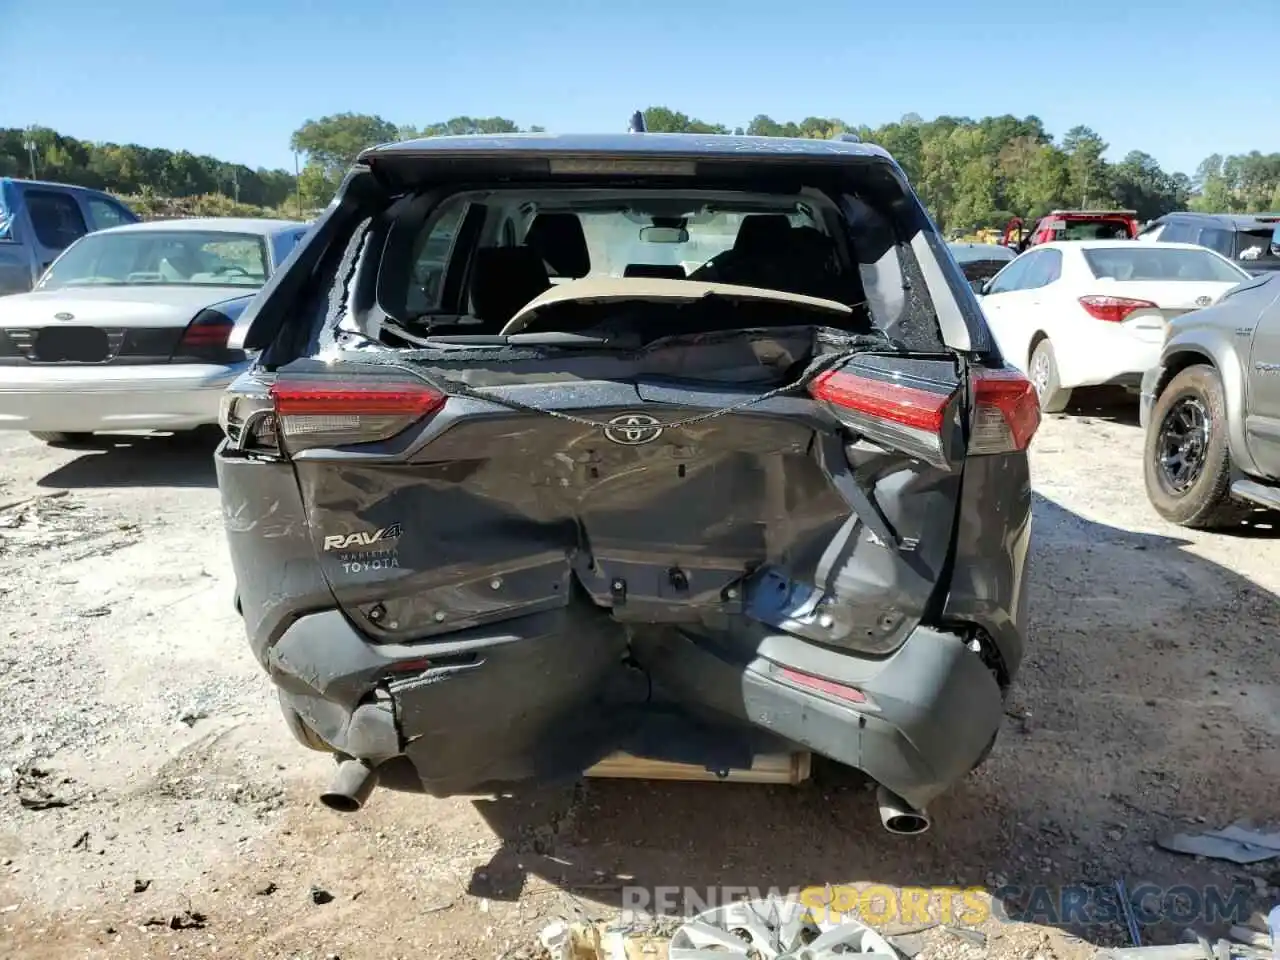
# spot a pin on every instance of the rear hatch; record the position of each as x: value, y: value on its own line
x: 647, y: 493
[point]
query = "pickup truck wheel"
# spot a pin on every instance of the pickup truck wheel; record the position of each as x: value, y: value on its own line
x: 62, y: 438
x: 1186, y: 458
x: 1043, y: 370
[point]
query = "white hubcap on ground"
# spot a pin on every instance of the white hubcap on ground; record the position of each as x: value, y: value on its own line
x: 774, y: 929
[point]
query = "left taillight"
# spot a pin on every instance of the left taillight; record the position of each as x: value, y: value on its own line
x: 294, y: 415
x: 1113, y: 309
x: 205, y: 340
x: 315, y: 414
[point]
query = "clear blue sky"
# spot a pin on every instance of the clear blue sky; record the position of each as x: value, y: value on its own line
x: 237, y: 77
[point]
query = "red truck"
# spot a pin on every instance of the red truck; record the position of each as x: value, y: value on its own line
x: 1072, y: 225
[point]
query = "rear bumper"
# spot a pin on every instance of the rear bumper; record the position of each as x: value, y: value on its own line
x: 76, y: 399
x: 1119, y: 359
x: 551, y: 694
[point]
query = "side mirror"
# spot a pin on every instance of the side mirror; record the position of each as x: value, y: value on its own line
x: 979, y: 287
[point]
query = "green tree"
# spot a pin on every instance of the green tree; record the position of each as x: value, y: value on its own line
x: 332, y: 143
x: 1086, y: 170
x: 664, y: 120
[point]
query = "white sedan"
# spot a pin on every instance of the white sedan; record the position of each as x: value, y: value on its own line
x: 1093, y: 312
x: 128, y: 328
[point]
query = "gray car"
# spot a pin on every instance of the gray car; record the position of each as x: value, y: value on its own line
x: 127, y: 330
x: 617, y: 479
x: 1211, y: 410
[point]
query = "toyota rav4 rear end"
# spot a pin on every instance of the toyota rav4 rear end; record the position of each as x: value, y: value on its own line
x: 691, y: 447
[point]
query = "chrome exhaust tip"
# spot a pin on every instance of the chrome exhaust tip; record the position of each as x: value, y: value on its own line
x: 898, y: 816
x: 351, y: 786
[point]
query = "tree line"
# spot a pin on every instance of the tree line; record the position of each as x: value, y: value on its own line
x: 969, y: 173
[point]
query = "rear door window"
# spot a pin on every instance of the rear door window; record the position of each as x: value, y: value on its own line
x: 1216, y: 239
x: 431, y: 253
x: 1010, y: 278
x: 105, y: 213
x: 1044, y: 268
x: 55, y: 218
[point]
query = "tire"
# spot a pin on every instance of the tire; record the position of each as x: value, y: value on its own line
x: 62, y: 438
x: 1187, y: 468
x: 1053, y: 398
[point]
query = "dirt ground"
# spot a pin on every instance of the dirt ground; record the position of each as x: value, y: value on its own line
x: 152, y: 802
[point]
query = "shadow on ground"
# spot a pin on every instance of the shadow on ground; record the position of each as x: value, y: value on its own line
x: 141, y: 460
x: 1142, y: 705
x: 1101, y: 403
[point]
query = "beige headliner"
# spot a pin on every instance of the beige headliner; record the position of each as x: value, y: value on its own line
x: 605, y: 289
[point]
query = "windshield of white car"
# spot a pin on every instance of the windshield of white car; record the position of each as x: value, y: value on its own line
x: 1143, y: 262
x: 161, y: 258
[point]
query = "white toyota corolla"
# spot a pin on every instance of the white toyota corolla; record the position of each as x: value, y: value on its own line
x: 1093, y: 312
x: 128, y: 328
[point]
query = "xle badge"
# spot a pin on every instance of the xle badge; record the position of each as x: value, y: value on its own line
x: 633, y: 429
x: 362, y: 538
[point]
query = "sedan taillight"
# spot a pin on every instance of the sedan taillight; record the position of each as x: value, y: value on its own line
x: 1113, y: 309
x: 205, y: 340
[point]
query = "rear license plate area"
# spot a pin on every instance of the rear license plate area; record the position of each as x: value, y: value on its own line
x: 71, y: 345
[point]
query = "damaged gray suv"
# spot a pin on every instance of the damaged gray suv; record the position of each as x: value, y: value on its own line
x: 692, y: 447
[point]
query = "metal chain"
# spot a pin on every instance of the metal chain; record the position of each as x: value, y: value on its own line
x: 816, y: 367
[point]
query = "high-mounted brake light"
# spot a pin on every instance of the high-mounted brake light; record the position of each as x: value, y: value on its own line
x: 905, y: 416
x: 314, y: 414
x: 1006, y: 412
x: 1113, y: 309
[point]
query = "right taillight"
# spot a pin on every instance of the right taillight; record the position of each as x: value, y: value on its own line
x: 322, y: 413
x: 205, y: 340
x: 1006, y: 412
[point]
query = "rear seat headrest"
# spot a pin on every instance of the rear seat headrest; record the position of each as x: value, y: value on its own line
x: 560, y: 240
x: 760, y: 231
x: 504, y: 279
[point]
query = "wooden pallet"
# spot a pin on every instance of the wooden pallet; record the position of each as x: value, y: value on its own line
x: 788, y: 768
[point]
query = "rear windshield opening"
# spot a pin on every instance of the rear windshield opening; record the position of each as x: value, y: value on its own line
x: 478, y: 259
x: 1152, y: 263
x: 1091, y: 230
x: 1257, y: 245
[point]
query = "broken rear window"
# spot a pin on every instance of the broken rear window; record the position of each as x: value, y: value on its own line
x: 469, y: 262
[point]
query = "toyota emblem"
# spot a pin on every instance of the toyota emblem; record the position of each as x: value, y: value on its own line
x: 1203, y: 301
x: 633, y: 429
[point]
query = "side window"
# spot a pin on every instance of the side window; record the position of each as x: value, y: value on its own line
x: 105, y: 214
x: 1011, y: 277
x: 431, y: 252
x: 1046, y: 269
x: 1216, y: 239
x: 55, y: 217
x: 1178, y: 232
